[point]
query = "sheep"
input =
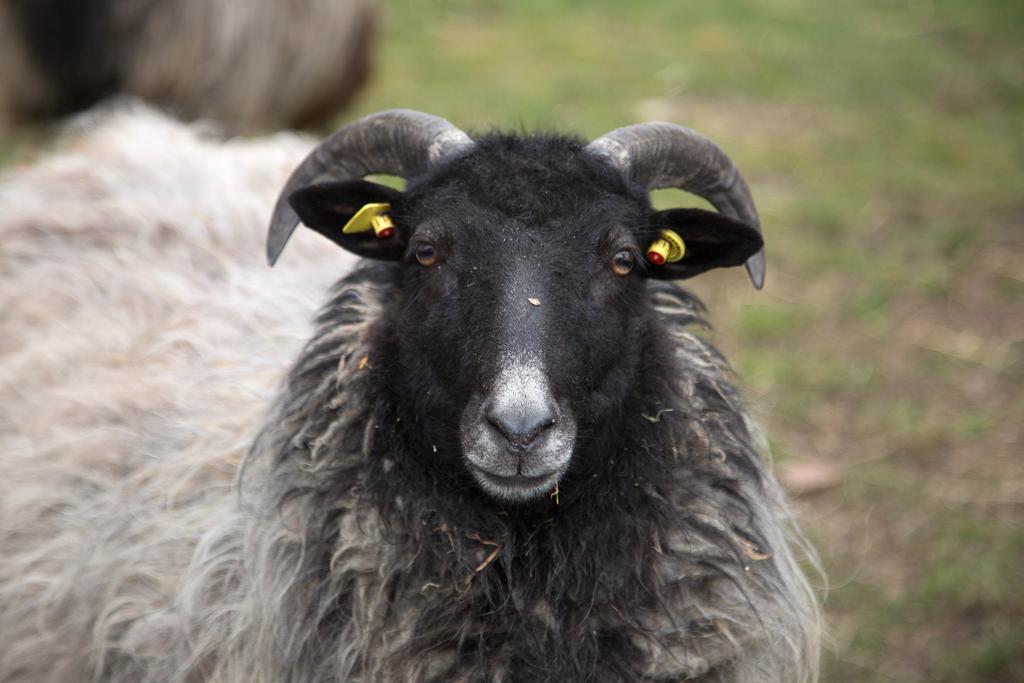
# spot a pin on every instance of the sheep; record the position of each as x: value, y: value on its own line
x: 250, y: 64
x: 503, y: 454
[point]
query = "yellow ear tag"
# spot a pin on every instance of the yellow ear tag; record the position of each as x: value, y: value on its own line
x: 668, y: 248
x: 371, y: 217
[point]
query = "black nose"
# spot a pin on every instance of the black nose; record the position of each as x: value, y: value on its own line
x: 520, y: 424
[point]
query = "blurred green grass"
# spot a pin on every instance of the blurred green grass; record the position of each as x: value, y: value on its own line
x: 884, y: 143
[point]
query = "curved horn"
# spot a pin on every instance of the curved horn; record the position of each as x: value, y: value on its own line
x: 661, y: 155
x: 398, y: 142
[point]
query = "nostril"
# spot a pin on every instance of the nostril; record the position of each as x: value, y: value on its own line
x: 535, y: 430
x: 496, y: 421
x: 520, y: 427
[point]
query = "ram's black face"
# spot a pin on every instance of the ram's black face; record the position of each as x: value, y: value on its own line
x: 521, y: 298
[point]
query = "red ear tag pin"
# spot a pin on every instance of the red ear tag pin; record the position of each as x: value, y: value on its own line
x: 372, y: 217
x: 383, y: 226
x: 668, y: 248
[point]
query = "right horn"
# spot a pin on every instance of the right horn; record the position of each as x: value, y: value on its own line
x: 659, y: 155
x: 397, y: 142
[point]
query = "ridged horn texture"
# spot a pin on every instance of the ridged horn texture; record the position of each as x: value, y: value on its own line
x: 397, y: 142
x: 659, y: 155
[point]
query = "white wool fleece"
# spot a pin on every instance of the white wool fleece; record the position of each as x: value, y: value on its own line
x: 141, y: 338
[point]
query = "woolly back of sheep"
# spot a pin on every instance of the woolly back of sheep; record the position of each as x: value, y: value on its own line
x: 142, y: 336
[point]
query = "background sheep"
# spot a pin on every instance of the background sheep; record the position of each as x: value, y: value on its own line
x: 335, y: 566
x: 249, y: 64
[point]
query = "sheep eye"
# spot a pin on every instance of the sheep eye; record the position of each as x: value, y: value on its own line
x: 623, y: 262
x: 426, y: 255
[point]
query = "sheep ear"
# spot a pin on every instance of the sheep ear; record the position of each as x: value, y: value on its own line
x: 711, y: 241
x: 328, y: 207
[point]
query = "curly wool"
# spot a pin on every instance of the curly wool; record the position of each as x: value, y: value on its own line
x: 688, y: 577
x: 141, y: 339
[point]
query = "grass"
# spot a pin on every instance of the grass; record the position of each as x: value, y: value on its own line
x: 883, y: 142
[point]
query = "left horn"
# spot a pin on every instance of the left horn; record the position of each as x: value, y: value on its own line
x: 397, y: 142
x: 659, y: 155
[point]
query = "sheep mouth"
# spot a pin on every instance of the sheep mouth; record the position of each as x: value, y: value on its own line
x: 516, y: 443
x: 517, y: 474
x: 517, y: 487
